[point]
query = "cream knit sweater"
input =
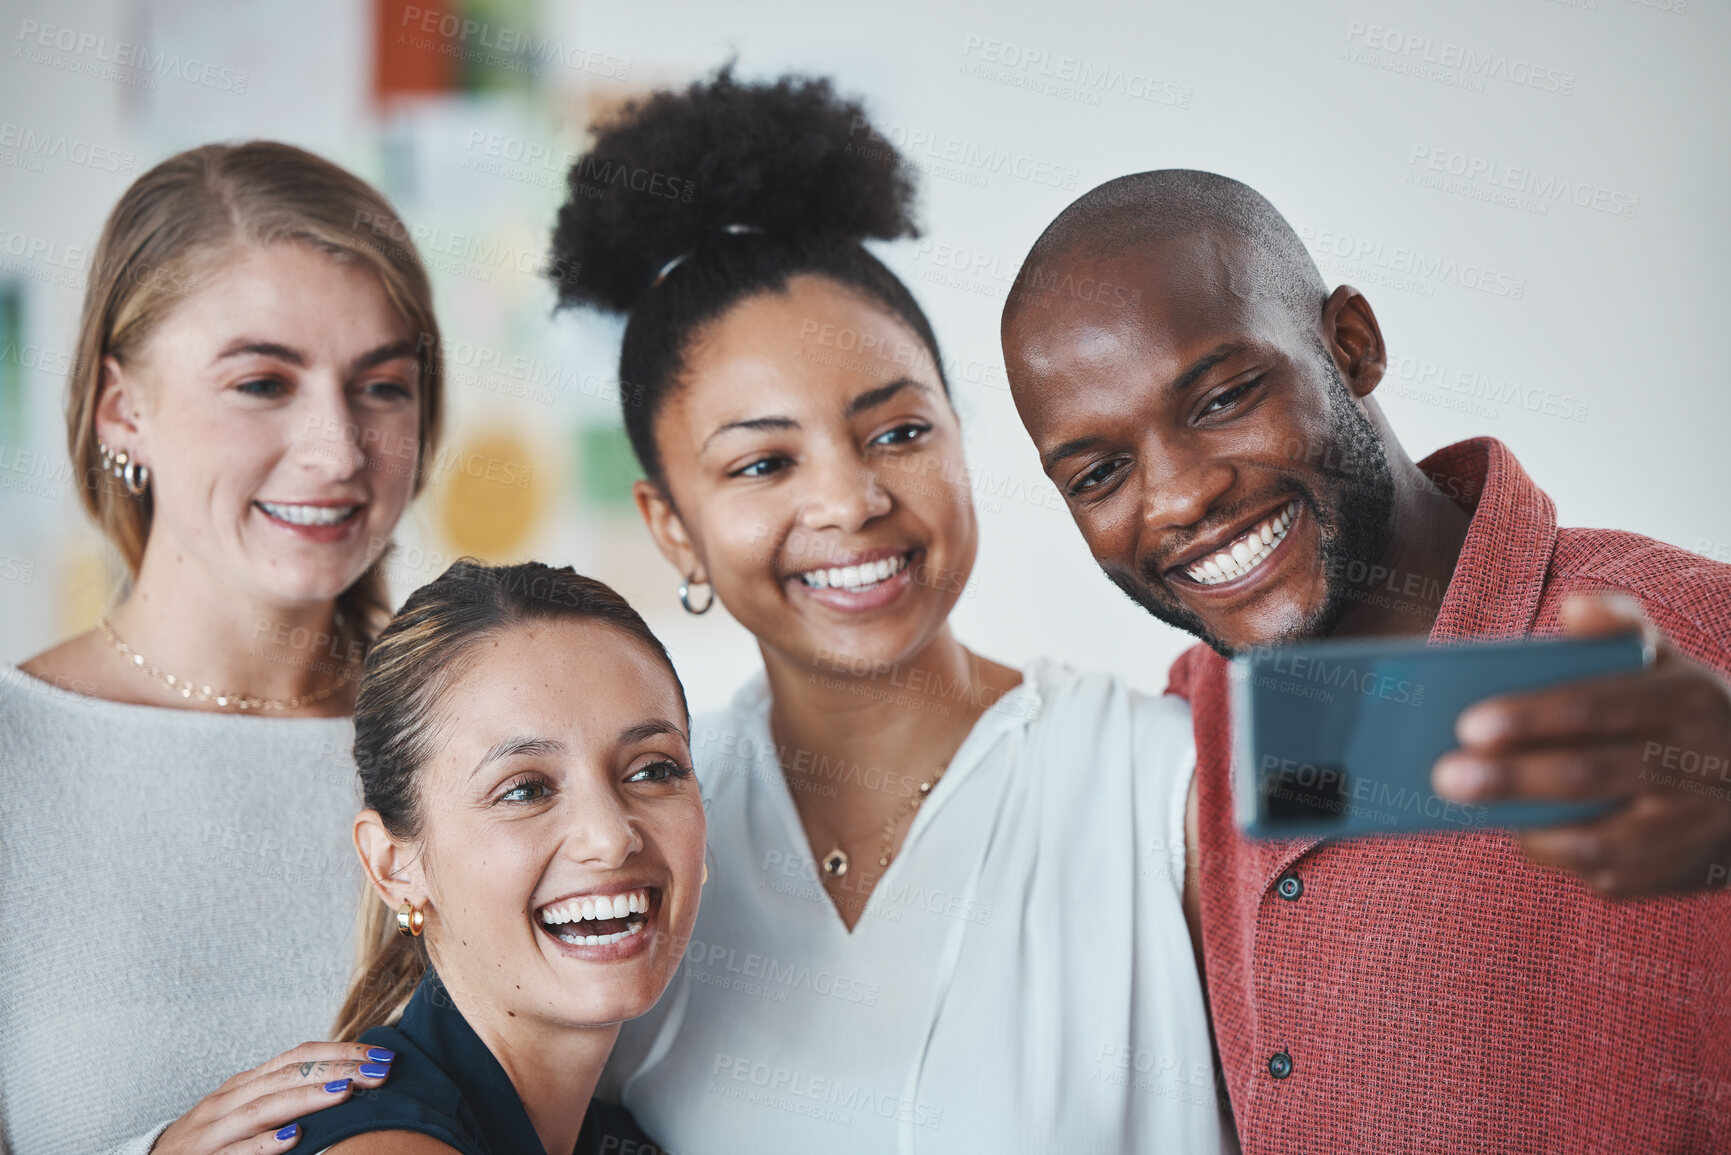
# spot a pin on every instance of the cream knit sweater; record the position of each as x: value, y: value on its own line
x: 177, y: 903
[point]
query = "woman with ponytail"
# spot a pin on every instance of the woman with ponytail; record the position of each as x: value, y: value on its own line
x: 256, y: 387
x: 533, y: 839
x: 947, y: 911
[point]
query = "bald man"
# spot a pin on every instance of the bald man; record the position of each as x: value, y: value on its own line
x: 1205, y: 404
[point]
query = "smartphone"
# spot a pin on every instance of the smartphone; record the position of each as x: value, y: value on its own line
x: 1338, y: 738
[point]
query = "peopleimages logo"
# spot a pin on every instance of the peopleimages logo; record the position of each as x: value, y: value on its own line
x: 1410, y: 268
x: 71, y: 150
x: 54, y: 362
x: 472, y: 255
x: 515, y: 49
x: 1067, y: 77
x: 1448, y: 61
x: 781, y: 972
x: 1477, y: 386
x: 920, y: 145
x: 41, y: 259
x: 90, y: 53
x: 530, y: 162
x: 1487, y: 176
x: 794, y: 1091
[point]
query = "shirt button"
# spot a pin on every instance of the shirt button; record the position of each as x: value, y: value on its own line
x: 1280, y: 1064
x: 1289, y: 887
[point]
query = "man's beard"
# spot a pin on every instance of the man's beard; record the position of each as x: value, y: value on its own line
x: 1354, y: 512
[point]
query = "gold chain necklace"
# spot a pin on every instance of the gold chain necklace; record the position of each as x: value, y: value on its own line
x: 835, y: 863
x: 197, y: 693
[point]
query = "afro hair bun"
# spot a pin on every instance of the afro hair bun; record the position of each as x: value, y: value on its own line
x: 671, y: 171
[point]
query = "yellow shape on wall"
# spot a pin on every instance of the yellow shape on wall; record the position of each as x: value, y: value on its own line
x: 86, y: 585
x: 491, y: 493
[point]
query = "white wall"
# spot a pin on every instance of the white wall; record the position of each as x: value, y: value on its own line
x: 1330, y: 108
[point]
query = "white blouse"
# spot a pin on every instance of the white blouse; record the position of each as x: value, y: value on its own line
x: 1021, y: 980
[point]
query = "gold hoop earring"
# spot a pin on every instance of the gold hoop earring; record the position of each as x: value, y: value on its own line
x: 409, y: 920
x: 705, y: 874
x: 685, y: 597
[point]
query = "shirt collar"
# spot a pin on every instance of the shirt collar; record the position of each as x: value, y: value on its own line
x: 1499, y: 580
x: 1011, y: 714
x: 1020, y: 706
x: 433, y: 1023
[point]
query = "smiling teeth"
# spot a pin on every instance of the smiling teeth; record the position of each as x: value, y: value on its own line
x: 571, y: 936
x: 309, y: 514
x: 596, y: 907
x: 1244, y: 553
x: 855, y: 577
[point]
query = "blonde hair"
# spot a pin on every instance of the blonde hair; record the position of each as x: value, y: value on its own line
x: 171, y: 229
x: 418, y: 657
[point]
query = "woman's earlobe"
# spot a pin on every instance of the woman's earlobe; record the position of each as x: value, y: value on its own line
x: 381, y: 857
x: 666, y: 527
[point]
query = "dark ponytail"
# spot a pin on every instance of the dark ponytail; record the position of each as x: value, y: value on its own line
x: 758, y: 183
x: 422, y: 652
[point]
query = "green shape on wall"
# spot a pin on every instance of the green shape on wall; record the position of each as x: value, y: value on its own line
x: 11, y: 363
x: 501, y: 49
x: 606, y: 467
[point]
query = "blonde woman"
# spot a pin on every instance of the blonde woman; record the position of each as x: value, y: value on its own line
x: 257, y: 387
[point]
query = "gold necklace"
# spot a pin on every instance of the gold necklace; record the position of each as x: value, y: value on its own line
x: 835, y: 863
x: 196, y: 693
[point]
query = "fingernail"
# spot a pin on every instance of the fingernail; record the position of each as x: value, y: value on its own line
x: 380, y: 1054
x: 1462, y: 779
x: 337, y: 1086
x: 288, y: 1132
x: 1479, y: 727
x: 375, y: 1070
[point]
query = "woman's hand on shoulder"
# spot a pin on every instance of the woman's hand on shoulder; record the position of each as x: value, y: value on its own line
x: 252, y: 1112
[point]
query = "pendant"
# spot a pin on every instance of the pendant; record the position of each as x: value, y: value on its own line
x: 835, y: 863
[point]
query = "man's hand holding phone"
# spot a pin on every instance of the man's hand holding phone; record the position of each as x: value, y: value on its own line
x: 1658, y: 740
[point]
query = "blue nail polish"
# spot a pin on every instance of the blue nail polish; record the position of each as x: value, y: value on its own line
x: 380, y: 1054
x: 288, y: 1132
x: 338, y: 1086
x: 375, y: 1070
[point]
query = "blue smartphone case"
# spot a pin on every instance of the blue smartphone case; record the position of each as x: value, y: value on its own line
x: 1339, y: 738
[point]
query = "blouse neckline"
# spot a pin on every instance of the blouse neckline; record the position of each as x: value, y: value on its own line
x: 1010, y: 714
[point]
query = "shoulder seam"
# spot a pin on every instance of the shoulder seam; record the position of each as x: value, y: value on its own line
x: 1617, y: 585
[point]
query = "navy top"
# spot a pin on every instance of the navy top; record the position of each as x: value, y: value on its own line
x: 446, y: 1083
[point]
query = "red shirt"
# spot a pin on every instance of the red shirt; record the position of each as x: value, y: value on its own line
x: 1439, y: 992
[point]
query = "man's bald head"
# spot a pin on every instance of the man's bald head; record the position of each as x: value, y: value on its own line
x: 1202, y: 401
x: 1141, y: 212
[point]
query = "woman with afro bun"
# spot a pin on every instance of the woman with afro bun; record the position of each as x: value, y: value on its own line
x: 945, y: 905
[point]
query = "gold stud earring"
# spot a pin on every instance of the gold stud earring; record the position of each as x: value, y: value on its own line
x: 409, y: 920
